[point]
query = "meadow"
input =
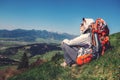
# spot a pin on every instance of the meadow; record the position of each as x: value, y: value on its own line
x: 107, y: 67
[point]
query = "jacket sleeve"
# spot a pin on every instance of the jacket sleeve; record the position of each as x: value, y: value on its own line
x: 81, y: 40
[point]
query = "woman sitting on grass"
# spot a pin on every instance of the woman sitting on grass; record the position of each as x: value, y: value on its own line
x: 72, y: 48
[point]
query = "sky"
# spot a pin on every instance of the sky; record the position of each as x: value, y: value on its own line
x: 63, y: 16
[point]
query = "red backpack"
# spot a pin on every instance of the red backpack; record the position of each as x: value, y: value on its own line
x: 100, y: 42
x: 100, y: 28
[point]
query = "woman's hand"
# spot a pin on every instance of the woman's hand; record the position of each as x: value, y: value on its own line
x: 65, y: 41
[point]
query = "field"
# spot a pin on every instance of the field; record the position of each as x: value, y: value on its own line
x: 107, y: 67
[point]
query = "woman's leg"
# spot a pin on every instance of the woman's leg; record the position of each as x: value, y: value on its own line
x: 70, y: 54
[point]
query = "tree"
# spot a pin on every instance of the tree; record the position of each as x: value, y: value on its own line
x: 24, y: 63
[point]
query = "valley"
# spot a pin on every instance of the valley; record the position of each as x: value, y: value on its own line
x: 44, y: 63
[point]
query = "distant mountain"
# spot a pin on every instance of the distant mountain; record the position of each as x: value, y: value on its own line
x: 32, y: 35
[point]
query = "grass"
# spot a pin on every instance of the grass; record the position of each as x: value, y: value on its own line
x: 8, y: 42
x: 107, y: 67
x: 41, y: 40
x: 47, y: 56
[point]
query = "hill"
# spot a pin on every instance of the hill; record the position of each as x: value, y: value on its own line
x: 32, y: 35
x: 106, y: 67
x: 12, y: 55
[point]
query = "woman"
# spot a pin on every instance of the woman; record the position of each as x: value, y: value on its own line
x: 72, y: 47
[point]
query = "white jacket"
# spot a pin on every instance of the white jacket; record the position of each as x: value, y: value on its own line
x: 85, y: 38
x: 82, y: 40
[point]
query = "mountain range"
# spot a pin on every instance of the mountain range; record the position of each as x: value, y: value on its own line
x: 32, y: 35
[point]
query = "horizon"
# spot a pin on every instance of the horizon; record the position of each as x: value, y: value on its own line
x: 48, y: 31
x: 62, y: 16
x: 41, y: 30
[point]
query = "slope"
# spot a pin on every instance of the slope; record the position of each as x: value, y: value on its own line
x: 106, y: 67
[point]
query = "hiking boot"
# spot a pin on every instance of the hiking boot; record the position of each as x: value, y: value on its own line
x: 73, y: 65
x: 64, y: 64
